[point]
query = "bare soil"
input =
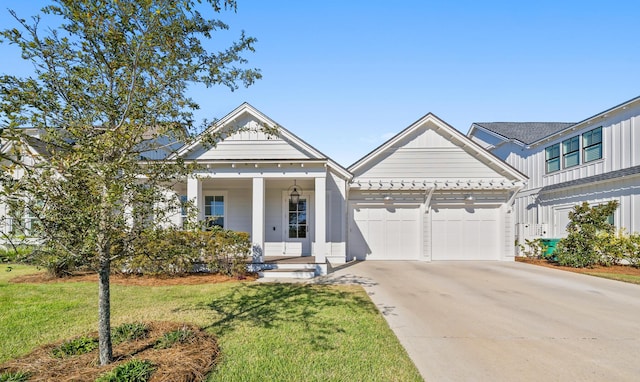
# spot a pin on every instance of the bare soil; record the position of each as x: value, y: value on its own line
x: 614, y: 269
x: 190, y: 361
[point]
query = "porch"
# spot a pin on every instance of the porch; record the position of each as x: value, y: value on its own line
x: 293, y: 209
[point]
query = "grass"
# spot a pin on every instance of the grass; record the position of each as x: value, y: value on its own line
x: 266, y: 332
x: 634, y: 279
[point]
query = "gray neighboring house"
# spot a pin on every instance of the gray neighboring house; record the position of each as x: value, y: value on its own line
x: 595, y: 160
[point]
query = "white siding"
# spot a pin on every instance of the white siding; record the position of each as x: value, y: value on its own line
x: 427, y: 154
x: 621, y: 142
x: 336, y: 208
x: 249, y: 142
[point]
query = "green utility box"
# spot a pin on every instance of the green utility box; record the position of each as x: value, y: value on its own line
x: 551, y: 246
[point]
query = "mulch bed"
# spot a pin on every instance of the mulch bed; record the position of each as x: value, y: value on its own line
x: 138, y: 280
x: 189, y: 361
x: 614, y: 269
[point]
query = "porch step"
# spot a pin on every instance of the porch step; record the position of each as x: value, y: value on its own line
x: 294, y: 268
x: 289, y: 273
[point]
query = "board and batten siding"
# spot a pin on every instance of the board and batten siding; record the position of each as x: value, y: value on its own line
x: 428, y: 155
x: 620, y: 143
x: 249, y: 142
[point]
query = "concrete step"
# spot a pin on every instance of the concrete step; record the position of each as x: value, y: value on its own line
x: 288, y: 273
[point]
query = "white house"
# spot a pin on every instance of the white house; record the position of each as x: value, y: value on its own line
x: 429, y: 193
x: 596, y: 160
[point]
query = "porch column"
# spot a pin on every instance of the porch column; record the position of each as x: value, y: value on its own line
x: 320, y: 247
x: 194, y: 194
x: 257, y: 220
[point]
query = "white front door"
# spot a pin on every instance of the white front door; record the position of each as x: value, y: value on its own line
x: 298, y: 226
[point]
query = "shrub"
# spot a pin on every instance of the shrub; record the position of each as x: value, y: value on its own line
x: 18, y: 376
x: 226, y: 252
x: 534, y: 249
x: 171, y: 251
x: 16, y: 254
x: 633, y: 249
x: 581, y: 246
x: 130, y: 332
x: 132, y: 371
x: 81, y: 345
x: 171, y: 338
x: 611, y: 247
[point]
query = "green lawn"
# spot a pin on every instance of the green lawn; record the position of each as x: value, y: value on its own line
x: 267, y: 332
x: 617, y: 276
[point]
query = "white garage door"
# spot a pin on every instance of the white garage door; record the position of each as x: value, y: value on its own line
x: 384, y: 233
x: 465, y: 234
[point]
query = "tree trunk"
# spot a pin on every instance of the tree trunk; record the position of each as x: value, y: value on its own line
x: 104, y: 310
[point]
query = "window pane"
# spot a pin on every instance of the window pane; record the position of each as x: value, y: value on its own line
x: 610, y: 219
x: 293, y: 232
x: 553, y: 165
x: 571, y: 160
x: 302, y: 231
x: 593, y: 153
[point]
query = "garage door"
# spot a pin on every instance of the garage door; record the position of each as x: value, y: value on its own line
x: 384, y: 233
x: 465, y: 234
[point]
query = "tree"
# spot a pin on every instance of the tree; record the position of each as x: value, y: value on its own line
x: 108, y: 91
x: 581, y: 246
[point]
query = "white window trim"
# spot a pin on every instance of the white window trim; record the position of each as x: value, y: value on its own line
x: 214, y: 193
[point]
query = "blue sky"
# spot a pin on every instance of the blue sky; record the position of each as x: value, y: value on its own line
x: 347, y: 75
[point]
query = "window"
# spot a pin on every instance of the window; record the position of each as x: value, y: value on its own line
x: 552, y: 157
x: 214, y: 210
x: 183, y: 209
x: 298, y: 219
x: 571, y: 152
x: 592, y: 145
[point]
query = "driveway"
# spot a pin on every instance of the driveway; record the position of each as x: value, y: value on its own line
x: 499, y: 321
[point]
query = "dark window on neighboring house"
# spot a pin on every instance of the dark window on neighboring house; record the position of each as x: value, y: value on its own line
x: 571, y: 152
x: 552, y: 158
x: 592, y: 145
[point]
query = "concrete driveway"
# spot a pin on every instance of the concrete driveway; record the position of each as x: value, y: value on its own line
x: 496, y: 321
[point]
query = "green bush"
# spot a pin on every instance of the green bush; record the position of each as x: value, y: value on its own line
x: 130, y: 332
x: 534, y: 249
x: 226, y: 252
x: 132, y: 371
x: 171, y: 251
x: 17, y: 254
x: 171, y: 338
x: 584, y: 243
x: 17, y: 376
x: 633, y: 249
x: 612, y: 247
x: 81, y: 345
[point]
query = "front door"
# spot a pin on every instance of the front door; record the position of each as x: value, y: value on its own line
x: 297, y: 227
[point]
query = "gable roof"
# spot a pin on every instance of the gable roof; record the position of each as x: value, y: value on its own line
x: 453, y: 136
x: 247, y: 109
x: 531, y: 133
x: 525, y: 132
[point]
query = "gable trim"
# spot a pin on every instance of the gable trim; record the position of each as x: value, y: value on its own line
x: 453, y: 135
x: 282, y: 132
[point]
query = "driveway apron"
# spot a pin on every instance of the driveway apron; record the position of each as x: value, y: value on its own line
x: 505, y: 321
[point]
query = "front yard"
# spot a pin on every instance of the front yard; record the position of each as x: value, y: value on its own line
x: 266, y: 332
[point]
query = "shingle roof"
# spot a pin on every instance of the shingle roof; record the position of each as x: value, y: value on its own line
x: 593, y: 179
x: 525, y: 132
